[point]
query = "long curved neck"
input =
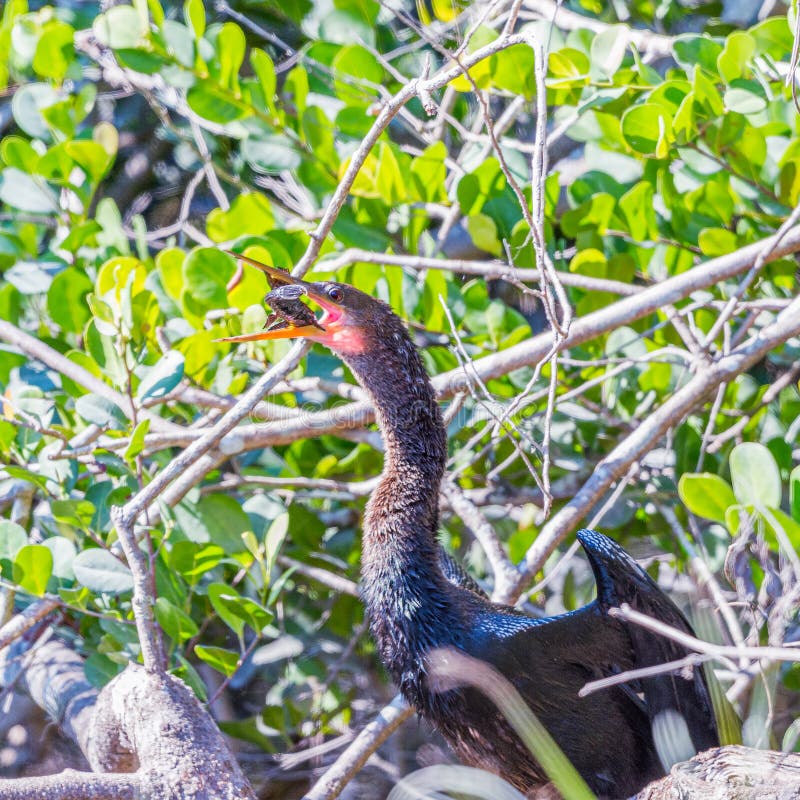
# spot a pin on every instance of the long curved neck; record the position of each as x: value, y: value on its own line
x: 403, y: 585
x: 406, y: 500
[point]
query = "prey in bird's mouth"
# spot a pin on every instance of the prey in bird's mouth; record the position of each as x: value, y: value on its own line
x: 288, y: 310
x: 291, y: 318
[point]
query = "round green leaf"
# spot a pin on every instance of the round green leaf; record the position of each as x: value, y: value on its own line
x: 55, y: 51
x: 18, y: 152
x: 645, y: 126
x: 163, y: 377
x: 12, y: 539
x: 120, y: 26
x: 513, y: 69
x: 609, y: 48
x: 21, y: 191
x: 755, y: 475
x: 743, y: 101
x: 706, y: 495
x: 66, y: 299
x: 206, y: 272
x: 250, y: 213
x: 27, y: 105
x: 101, y: 572
x: 33, y: 566
x: 64, y: 553
x: 101, y: 411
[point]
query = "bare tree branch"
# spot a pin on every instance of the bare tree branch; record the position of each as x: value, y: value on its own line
x: 372, y: 736
x: 650, y: 431
x: 26, y: 619
x: 73, y: 785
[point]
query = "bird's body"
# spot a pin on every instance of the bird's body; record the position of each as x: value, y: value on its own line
x: 415, y: 606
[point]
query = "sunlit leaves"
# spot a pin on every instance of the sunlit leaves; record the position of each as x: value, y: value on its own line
x: 647, y: 128
x: 33, y: 566
x: 120, y: 26
x: 755, y: 475
x: 66, y: 302
x: 101, y: 572
x: 706, y: 495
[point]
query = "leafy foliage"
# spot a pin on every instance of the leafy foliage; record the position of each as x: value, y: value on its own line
x: 240, y: 143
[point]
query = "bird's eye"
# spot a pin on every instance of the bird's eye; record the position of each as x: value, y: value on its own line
x: 335, y: 294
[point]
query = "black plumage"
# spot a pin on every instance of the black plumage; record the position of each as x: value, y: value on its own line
x: 419, y: 601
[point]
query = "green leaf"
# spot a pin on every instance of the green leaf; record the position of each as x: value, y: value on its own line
x: 745, y: 100
x: 237, y: 611
x: 162, y: 377
x: 101, y: 411
x: 270, y: 154
x: 250, y: 213
x: 55, y: 51
x: 216, y: 103
x: 142, y: 61
x: 206, y: 272
x: 513, y: 69
x: 12, y: 539
x: 717, y: 241
x: 265, y: 72
x: 738, y: 50
x: 33, y: 566
x: 178, y: 625
x: 92, y: 157
x: 18, y: 152
x: 389, y: 179
x: 773, y: 37
x: 608, y: 49
x: 224, y: 661
x: 101, y: 572
x: 569, y: 66
x: 645, y: 127
x: 230, y: 50
x: 357, y: 62
x: 21, y: 191
x: 193, y: 560
x: 755, y: 475
x: 691, y: 50
x: 216, y: 518
x: 66, y: 299
x: 180, y: 43
x: 225, y: 601
x: 794, y: 493
x: 706, y: 495
x: 27, y: 105
x: 483, y: 232
x: 76, y: 513
x: 275, y: 537
x: 195, y: 15
x: 136, y: 444
x: 120, y: 26
x: 64, y: 552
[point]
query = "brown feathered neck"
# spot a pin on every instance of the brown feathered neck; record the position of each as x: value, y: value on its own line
x: 406, y: 593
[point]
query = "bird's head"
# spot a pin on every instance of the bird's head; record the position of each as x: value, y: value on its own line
x: 350, y: 319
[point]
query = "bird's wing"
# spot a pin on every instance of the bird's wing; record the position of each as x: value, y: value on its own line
x: 607, y: 734
x: 457, y: 575
x: 621, y: 580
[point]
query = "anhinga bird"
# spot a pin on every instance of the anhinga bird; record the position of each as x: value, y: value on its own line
x: 418, y: 602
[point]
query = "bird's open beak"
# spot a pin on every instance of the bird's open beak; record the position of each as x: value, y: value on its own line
x: 332, y: 311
